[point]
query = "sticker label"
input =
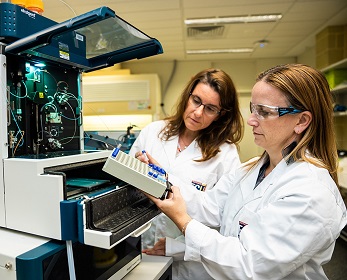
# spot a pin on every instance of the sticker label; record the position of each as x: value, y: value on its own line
x: 64, y: 51
x: 199, y: 186
x: 79, y: 37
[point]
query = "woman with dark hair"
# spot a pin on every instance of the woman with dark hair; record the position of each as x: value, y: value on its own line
x: 198, y: 144
x: 280, y: 214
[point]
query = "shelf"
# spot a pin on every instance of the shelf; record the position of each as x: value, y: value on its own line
x: 340, y: 114
x: 340, y: 89
x: 338, y: 65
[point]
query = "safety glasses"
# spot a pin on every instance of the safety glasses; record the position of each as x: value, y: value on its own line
x: 270, y: 112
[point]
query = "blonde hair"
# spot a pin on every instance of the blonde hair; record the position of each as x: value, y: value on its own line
x: 307, y: 89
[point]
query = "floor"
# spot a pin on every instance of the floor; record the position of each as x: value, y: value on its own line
x: 336, y: 269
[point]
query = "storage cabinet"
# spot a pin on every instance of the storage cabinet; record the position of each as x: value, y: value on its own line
x: 339, y: 92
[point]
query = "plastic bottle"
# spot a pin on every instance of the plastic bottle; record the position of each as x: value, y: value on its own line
x: 35, y: 6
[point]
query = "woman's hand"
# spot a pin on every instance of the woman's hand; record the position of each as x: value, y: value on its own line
x: 146, y: 157
x: 159, y: 248
x: 142, y: 156
x: 174, y: 207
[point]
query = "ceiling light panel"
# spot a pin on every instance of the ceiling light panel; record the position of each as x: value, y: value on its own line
x: 215, y: 51
x: 234, y: 19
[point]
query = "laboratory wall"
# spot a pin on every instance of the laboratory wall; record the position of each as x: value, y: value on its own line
x: 175, y: 74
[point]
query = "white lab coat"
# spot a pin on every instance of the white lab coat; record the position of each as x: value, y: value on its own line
x: 193, y: 175
x: 287, y: 225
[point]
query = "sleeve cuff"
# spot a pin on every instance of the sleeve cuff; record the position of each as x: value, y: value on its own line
x: 194, y: 236
x: 175, y: 249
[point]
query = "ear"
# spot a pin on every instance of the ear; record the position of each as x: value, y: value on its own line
x: 304, y: 121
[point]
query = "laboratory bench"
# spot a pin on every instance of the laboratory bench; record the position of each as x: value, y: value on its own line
x: 152, y: 267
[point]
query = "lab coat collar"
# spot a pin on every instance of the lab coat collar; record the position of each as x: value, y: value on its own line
x: 247, y: 184
x: 190, y: 153
x: 170, y: 148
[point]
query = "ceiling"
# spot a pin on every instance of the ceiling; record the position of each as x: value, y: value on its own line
x: 164, y: 20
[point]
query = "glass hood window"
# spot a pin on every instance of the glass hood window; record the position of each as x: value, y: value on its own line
x: 91, y: 41
x: 109, y: 35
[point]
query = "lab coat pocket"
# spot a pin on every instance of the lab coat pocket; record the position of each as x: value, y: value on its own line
x: 247, y: 215
x: 203, y: 182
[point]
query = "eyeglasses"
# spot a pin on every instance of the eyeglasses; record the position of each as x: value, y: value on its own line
x: 209, y: 109
x: 266, y: 112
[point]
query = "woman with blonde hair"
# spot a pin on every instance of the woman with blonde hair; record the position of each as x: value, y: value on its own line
x: 280, y: 214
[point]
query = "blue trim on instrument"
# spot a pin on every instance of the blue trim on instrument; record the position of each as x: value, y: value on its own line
x: 29, y: 264
x: 68, y: 220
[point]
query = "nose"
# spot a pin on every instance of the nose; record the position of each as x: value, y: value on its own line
x: 252, y: 120
x: 199, y: 110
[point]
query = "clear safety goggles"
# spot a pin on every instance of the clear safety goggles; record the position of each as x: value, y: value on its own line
x: 270, y: 112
